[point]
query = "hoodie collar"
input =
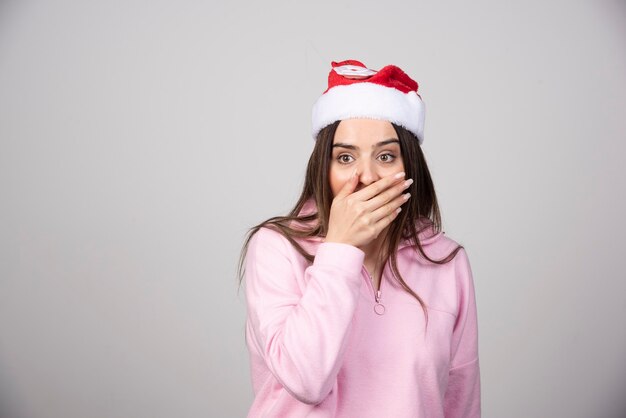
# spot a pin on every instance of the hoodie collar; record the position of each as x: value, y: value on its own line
x: 426, y: 236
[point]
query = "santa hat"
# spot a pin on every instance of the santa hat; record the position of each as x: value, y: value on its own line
x: 355, y: 91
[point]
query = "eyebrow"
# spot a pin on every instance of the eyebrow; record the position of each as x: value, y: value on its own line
x: 379, y: 144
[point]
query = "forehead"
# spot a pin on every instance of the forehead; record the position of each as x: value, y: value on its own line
x: 364, y: 132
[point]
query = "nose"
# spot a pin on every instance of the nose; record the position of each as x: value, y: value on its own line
x: 367, y: 174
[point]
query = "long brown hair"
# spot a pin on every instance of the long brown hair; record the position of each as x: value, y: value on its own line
x: 422, y: 206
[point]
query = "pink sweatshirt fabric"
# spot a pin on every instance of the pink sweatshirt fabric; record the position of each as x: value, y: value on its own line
x: 318, y: 349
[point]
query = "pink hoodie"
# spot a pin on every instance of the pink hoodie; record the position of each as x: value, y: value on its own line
x: 318, y: 348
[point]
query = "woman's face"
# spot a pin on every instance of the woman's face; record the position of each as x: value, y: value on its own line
x: 369, y: 145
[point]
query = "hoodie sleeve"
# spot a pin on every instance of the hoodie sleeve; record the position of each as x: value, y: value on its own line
x: 462, y: 398
x: 301, y: 333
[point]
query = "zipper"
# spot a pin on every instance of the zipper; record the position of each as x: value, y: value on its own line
x: 379, y: 308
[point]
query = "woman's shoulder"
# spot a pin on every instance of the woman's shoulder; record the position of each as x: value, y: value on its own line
x: 271, y: 236
x: 435, y: 242
x: 446, y: 246
x: 268, y: 235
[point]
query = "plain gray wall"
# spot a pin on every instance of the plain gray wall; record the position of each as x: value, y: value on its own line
x: 140, y: 141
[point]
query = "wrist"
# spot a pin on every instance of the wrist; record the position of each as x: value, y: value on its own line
x: 337, y: 240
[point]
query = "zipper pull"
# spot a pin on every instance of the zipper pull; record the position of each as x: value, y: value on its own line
x: 379, y: 308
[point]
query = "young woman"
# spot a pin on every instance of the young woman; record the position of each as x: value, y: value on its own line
x: 358, y: 305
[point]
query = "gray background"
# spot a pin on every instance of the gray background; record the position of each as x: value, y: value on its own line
x: 140, y: 140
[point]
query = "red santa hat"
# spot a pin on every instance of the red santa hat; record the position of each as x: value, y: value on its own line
x: 355, y: 91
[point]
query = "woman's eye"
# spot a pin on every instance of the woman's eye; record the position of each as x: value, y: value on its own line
x: 342, y: 159
x: 393, y: 157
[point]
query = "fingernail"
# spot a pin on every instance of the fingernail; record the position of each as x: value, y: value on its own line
x: 399, y: 175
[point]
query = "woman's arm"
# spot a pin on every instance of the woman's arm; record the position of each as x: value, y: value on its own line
x: 462, y: 398
x: 302, y: 334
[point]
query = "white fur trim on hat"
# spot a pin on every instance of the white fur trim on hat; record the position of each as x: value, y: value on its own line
x: 369, y: 100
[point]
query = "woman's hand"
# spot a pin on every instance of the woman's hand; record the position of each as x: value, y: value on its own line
x: 358, y: 218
